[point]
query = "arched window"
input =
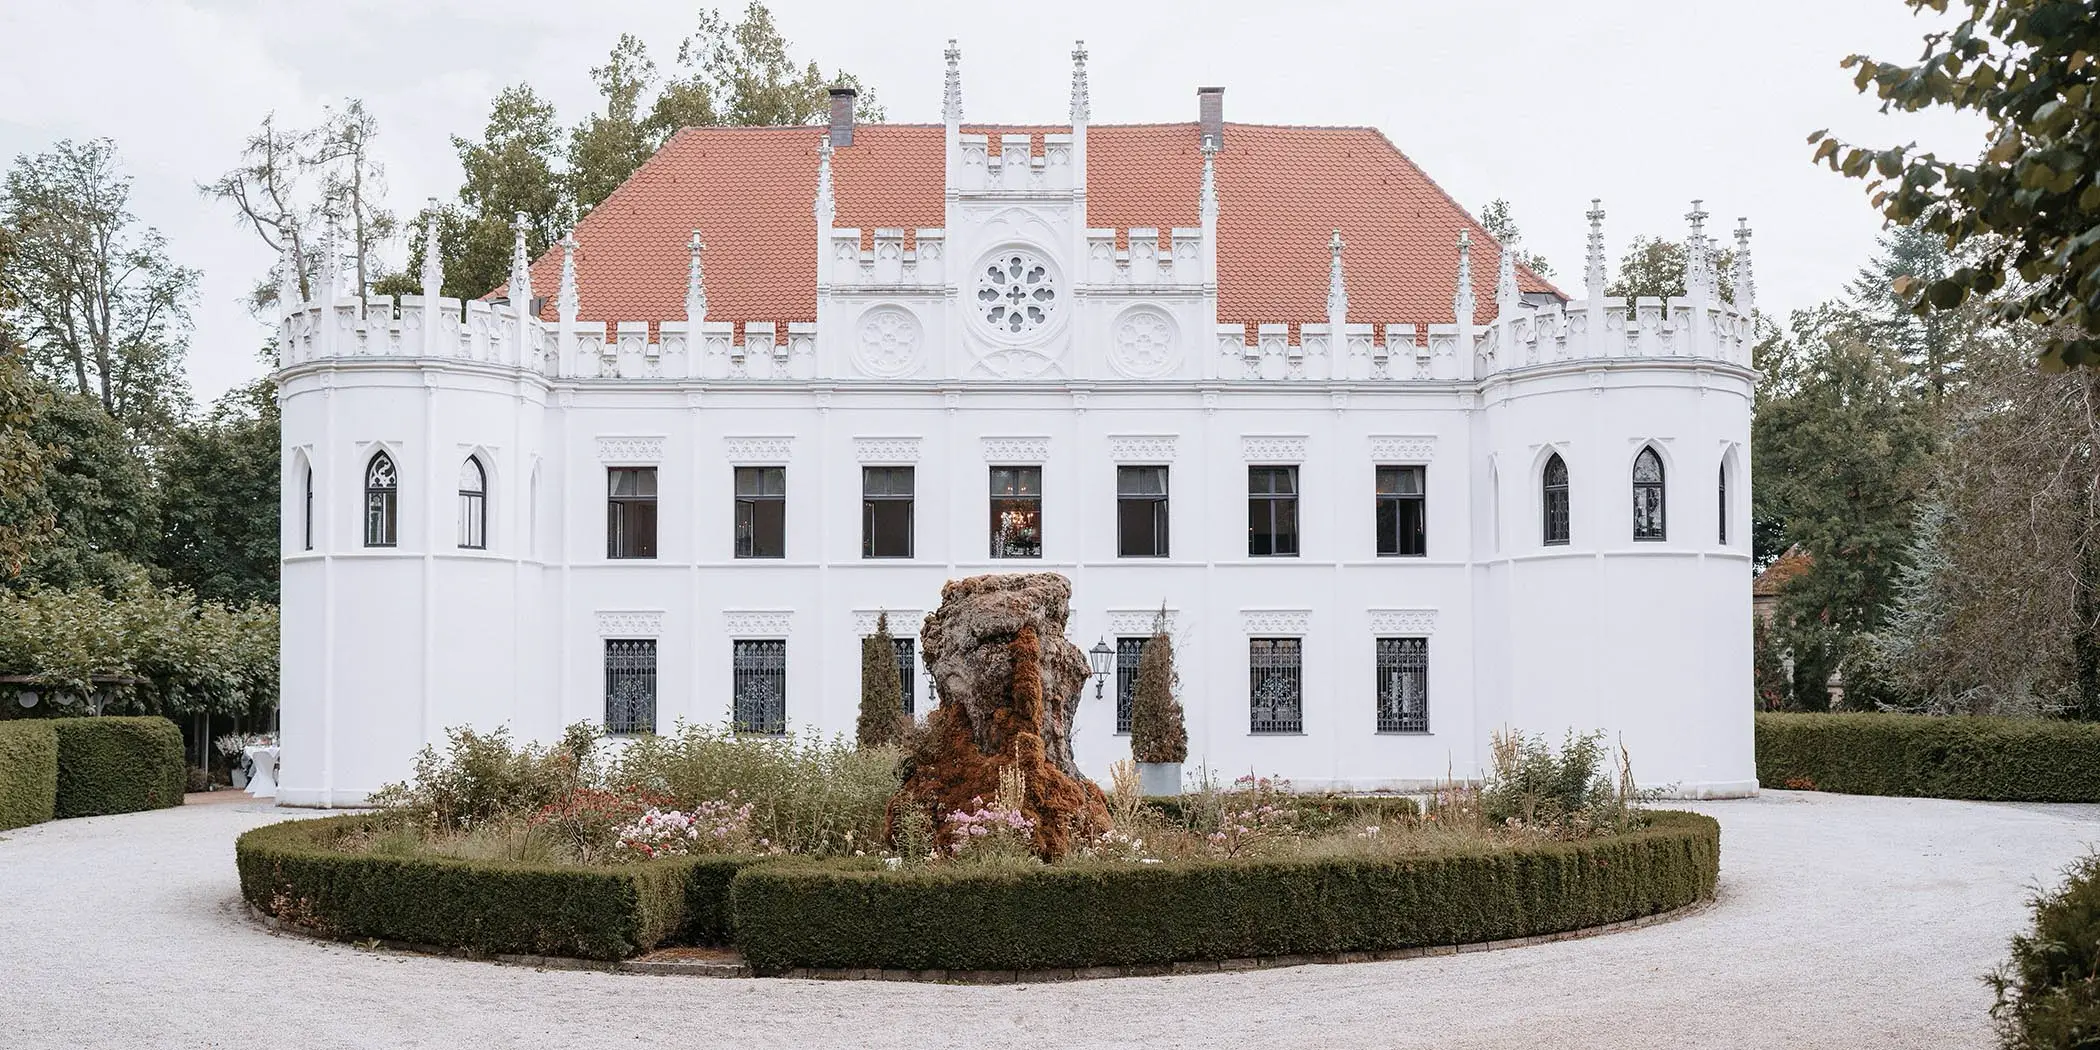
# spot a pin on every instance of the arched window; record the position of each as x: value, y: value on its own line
x: 1555, y: 487
x: 306, y: 521
x: 382, y: 509
x: 1721, y: 486
x: 1647, y: 495
x: 473, y: 505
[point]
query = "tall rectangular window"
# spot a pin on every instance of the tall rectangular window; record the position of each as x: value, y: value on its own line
x: 307, y: 521
x: 630, y: 512
x: 758, y: 685
x: 761, y: 512
x: 473, y: 505
x: 1129, y: 651
x: 630, y: 685
x: 1276, y: 685
x: 1402, y: 512
x: 1272, y: 512
x: 885, y: 512
x: 1403, y: 685
x: 1017, y: 512
x: 1141, y: 512
x: 907, y: 673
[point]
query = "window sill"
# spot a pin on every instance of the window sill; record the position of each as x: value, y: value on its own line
x: 1404, y: 732
x: 1383, y: 555
x: 1277, y: 732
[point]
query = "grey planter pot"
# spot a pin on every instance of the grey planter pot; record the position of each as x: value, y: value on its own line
x: 1156, y: 779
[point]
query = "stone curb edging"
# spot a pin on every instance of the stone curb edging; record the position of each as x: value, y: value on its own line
x: 725, y: 968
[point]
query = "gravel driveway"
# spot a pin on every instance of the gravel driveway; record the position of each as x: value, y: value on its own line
x: 1842, y: 921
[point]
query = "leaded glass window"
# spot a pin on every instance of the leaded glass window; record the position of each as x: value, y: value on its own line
x: 758, y: 685
x: 761, y: 512
x: 306, y: 523
x: 1141, y: 512
x: 382, y: 509
x: 1276, y: 685
x: 1017, y: 512
x: 1554, y: 483
x: 1130, y: 651
x: 1403, y: 685
x: 630, y: 685
x: 473, y: 505
x: 1272, y: 512
x: 1647, y: 496
x: 1402, y: 511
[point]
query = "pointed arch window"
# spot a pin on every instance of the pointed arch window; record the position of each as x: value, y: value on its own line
x: 1554, y: 486
x: 382, y: 501
x: 1647, y: 495
x: 1721, y: 486
x: 306, y: 520
x: 473, y: 505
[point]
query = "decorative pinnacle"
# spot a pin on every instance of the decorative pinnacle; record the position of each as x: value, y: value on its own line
x: 330, y: 263
x: 520, y: 266
x: 1080, y: 112
x: 1697, y: 277
x: 1745, y: 280
x: 1209, y: 196
x: 287, y: 280
x: 1337, y: 291
x: 1462, y: 296
x: 1506, y: 277
x: 433, y: 259
x: 1594, y: 264
x: 951, y: 96
x: 695, y: 288
x: 825, y: 206
x: 566, y: 299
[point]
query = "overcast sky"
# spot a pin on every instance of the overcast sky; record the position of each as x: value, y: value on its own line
x: 1548, y: 104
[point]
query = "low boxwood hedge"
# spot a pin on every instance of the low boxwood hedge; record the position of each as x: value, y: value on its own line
x: 28, y: 772
x: 1995, y: 759
x: 118, y: 765
x: 830, y: 915
x: 295, y: 872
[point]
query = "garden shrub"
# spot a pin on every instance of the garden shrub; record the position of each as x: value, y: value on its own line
x: 855, y: 914
x: 1965, y: 757
x: 2049, y: 991
x: 28, y: 772
x: 882, y: 719
x: 1158, y: 732
x: 807, y: 796
x: 118, y: 765
x: 483, y: 777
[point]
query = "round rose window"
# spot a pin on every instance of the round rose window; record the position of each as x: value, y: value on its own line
x: 1016, y: 293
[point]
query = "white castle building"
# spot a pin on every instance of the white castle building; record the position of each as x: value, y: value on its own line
x: 1392, y: 490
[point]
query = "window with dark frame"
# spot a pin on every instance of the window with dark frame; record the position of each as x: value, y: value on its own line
x: 1647, y: 495
x: 473, y: 506
x: 1402, y: 512
x: 907, y: 673
x: 1721, y: 486
x: 630, y: 685
x: 1276, y: 685
x: 1141, y: 512
x: 1017, y: 512
x: 1403, y: 685
x: 1554, y: 483
x: 1272, y: 512
x: 630, y: 508
x: 885, y: 512
x: 761, y: 512
x: 758, y: 685
x: 1130, y: 651
x: 307, y: 521
x: 382, y: 510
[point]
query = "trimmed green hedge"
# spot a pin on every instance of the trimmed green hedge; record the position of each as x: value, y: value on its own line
x: 1993, y: 759
x: 293, y: 871
x: 818, y: 915
x: 118, y: 765
x: 28, y: 772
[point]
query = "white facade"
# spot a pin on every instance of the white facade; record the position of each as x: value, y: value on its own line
x: 387, y: 646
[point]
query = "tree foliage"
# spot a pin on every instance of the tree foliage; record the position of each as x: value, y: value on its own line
x: 1653, y: 266
x: 605, y: 149
x: 511, y: 171
x: 1502, y: 226
x: 219, y: 480
x: 26, y: 516
x: 742, y: 74
x: 2030, y: 206
x: 96, y: 490
x: 882, y: 719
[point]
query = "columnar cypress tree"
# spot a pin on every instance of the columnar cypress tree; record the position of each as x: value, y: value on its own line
x: 1156, y: 730
x: 881, y: 690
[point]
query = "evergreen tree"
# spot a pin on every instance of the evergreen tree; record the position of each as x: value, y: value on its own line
x: 1157, y: 732
x: 882, y: 718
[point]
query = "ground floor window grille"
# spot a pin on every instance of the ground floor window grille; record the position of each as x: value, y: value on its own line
x: 1276, y: 687
x: 630, y: 685
x: 1129, y: 651
x: 906, y: 674
x: 1403, y: 685
x: 759, y: 685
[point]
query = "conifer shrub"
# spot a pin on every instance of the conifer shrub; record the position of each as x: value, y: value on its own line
x: 2048, y: 993
x: 882, y: 719
x: 1157, y: 731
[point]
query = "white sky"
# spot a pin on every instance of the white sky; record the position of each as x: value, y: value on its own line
x: 1548, y: 104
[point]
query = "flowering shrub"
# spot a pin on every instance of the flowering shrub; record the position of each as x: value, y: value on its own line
x: 589, y: 821
x: 1256, y: 810
x: 710, y: 827
x: 989, y: 830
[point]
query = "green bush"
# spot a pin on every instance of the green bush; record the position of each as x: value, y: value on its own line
x: 1994, y: 759
x: 856, y: 915
x: 298, y: 872
x: 28, y: 772
x: 2049, y: 991
x: 118, y: 765
x: 807, y: 796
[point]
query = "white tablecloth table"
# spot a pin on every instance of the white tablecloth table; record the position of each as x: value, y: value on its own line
x: 262, y: 783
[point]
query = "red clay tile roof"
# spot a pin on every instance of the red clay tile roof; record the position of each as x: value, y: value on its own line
x: 1281, y: 192
x: 1783, y: 569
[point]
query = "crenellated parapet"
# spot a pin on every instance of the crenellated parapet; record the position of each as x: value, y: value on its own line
x: 1017, y: 162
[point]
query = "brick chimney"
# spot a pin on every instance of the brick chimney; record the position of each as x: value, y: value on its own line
x: 1210, y: 114
x: 842, y: 99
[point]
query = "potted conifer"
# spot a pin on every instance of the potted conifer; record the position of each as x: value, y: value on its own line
x: 882, y: 718
x: 1159, y: 740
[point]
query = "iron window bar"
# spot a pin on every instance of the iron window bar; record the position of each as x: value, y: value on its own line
x: 1276, y: 685
x: 1130, y: 652
x: 1403, y: 685
x: 382, y: 511
x: 630, y: 685
x: 758, y: 685
x: 1648, y: 496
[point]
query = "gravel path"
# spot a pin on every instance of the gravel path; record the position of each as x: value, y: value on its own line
x: 1856, y: 922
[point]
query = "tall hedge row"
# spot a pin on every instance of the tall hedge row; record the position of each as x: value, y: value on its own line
x: 794, y: 915
x: 1993, y: 759
x: 118, y: 765
x: 28, y: 772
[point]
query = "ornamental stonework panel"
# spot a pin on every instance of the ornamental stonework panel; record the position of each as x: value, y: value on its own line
x: 757, y: 623
x: 1144, y: 343
x: 630, y: 623
x: 886, y: 345
x: 630, y: 449
x: 899, y: 450
x: 1403, y: 621
x: 758, y: 451
x: 1141, y: 448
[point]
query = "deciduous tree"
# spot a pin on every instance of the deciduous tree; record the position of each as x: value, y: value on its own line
x: 219, y: 485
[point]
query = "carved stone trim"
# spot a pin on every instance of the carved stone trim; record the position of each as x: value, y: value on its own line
x: 1268, y: 622
x: 757, y: 623
x: 630, y: 623
x: 1273, y: 448
x: 763, y: 450
x: 1129, y: 623
x: 1142, y: 448
x: 616, y: 448
x: 1403, y: 448
x: 1403, y: 621
x: 1016, y: 449
x: 886, y: 449
x: 904, y: 623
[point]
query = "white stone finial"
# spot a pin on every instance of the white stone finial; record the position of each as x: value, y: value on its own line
x: 433, y: 258
x: 1506, y: 278
x: 826, y: 206
x: 1209, y: 200
x: 1337, y: 290
x: 1745, y: 280
x: 951, y: 96
x: 1080, y: 112
x: 695, y: 288
x: 331, y: 268
x: 520, y: 266
x: 1696, y: 277
x: 1593, y: 268
x: 288, y: 297
x: 567, y: 302
x: 1462, y: 296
